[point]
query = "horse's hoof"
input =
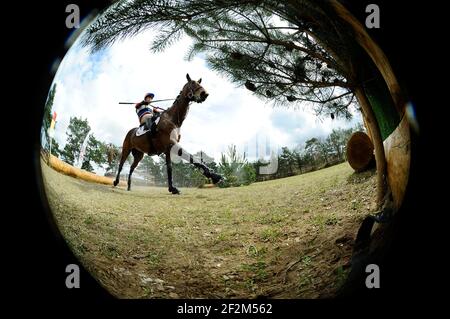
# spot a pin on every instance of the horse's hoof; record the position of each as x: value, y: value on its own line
x: 115, y: 183
x: 174, y: 190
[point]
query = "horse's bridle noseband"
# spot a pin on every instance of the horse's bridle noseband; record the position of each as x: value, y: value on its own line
x: 191, y: 94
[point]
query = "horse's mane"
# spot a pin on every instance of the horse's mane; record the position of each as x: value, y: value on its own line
x: 176, y: 99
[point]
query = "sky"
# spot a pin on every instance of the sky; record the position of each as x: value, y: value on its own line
x: 91, y: 86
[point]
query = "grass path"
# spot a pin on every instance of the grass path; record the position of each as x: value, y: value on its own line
x: 286, y: 238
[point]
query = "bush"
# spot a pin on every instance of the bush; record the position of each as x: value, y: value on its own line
x: 229, y: 181
x: 249, y: 175
x: 235, y: 169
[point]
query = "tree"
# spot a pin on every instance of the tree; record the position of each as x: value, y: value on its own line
x: 235, y: 168
x: 311, y: 150
x: 187, y: 175
x: 112, y: 158
x: 281, y: 62
x: 47, y: 119
x: 76, y: 133
x: 155, y: 169
x: 86, y: 165
x: 359, y: 128
x: 48, y: 110
x: 208, y: 161
x: 286, y: 163
x: 184, y: 173
x: 298, y: 159
x: 257, y: 168
x: 324, y: 149
x: 308, y: 158
x: 310, y: 57
x: 96, y: 151
x: 144, y: 169
x: 248, y: 174
x: 55, y: 148
x: 319, y: 150
x: 337, y: 140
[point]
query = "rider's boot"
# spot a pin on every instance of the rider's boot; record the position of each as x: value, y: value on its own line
x: 153, y: 126
x: 149, y: 123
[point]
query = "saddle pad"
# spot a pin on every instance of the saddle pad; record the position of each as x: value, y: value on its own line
x: 141, y: 130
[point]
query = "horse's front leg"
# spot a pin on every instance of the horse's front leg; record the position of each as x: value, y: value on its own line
x: 172, y: 189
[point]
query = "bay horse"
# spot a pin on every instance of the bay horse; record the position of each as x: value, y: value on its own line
x: 167, y: 136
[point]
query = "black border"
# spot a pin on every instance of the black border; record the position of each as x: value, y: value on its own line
x: 40, y: 257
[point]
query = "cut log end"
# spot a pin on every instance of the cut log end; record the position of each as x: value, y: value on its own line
x: 359, y: 152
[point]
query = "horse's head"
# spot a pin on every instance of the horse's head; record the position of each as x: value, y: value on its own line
x: 193, y: 91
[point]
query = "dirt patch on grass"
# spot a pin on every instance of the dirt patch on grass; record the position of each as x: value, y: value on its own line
x: 286, y: 238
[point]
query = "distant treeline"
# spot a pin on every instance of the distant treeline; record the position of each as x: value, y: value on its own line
x: 317, y: 153
x: 236, y: 168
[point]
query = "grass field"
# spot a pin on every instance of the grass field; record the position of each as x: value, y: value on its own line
x: 286, y: 238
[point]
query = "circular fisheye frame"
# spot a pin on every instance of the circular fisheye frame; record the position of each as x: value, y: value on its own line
x: 268, y: 160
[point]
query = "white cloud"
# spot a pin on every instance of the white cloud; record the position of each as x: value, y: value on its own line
x: 91, y: 86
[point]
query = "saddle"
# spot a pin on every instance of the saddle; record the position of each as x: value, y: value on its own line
x: 143, y: 128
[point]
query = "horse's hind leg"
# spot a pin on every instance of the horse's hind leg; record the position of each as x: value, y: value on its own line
x: 137, y: 155
x: 125, y: 152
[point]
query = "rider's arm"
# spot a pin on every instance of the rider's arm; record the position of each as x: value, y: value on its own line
x: 138, y: 105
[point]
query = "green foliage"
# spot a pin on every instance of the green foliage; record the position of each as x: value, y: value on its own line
x: 112, y: 158
x: 76, y: 133
x: 304, y: 55
x: 235, y: 169
x: 186, y: 175
x: 154, y: 171
x: 257, y: 270
x: 318, y: 149
x: 338, y: 140
x: 249, y: 174
x: 87, y: 166
x: 183, y: 174
x: 96, y: 151
x: 48, y: 109
x: 316, y: 153
x: 55, y: 148
x: 47, y: 119
x: 324, y: 150
x: 286, y: 163
x: 298, y: 160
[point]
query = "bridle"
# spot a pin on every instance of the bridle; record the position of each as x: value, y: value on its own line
x: 190, y: 96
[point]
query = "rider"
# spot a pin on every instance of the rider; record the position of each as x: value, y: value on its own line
x: 145, y: 111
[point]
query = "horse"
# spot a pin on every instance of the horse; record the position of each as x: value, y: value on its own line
x: 165, y: 139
